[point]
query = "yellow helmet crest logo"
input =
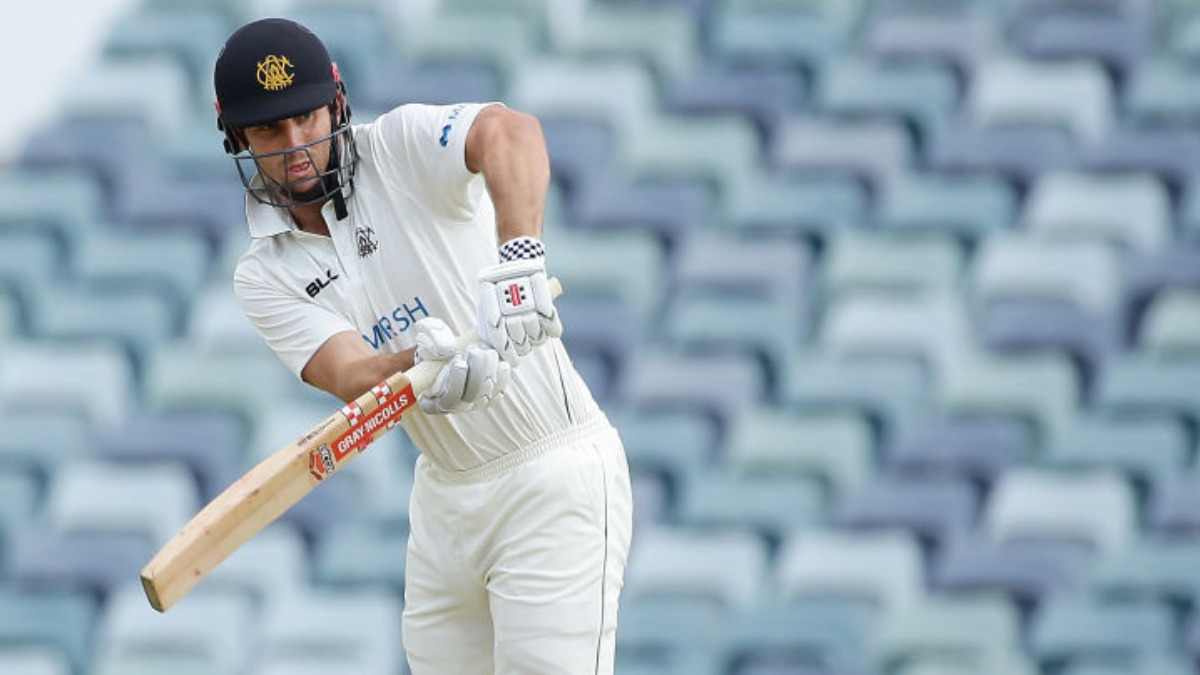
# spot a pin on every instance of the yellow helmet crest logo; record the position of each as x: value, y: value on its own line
x: 274, y: 73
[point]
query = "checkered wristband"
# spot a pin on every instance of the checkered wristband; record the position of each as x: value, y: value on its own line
x: 522, y: 248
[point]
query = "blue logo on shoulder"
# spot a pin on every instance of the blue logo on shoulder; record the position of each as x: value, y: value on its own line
x: 445, y: 136
x: 454, y: 113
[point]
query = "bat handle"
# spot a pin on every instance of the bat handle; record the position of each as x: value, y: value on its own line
x: 422, y: 374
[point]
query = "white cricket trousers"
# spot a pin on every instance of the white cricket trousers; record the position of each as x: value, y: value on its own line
x: 517, y: 567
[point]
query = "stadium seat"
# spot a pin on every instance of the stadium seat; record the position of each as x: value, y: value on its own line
x: 1151, y: 569
x: 175, y: 262
x: 1146, y: 450
x: 89, y: 561
x: 96, y: 496
x: 667, y: 206
x: 963, y: 205
x: 151, y: 664
x: 11, y: 322
x: 27, y: 259
x: 760, y: 265
x: 135, y: 317
x: 487, y: 34
x: 434, y: 82
x: 835, y: 447
x: 581, y: 150
x: 1171, y: 153
x: 28, y: 660
x: 1024, y: 572
x: 805, y: 204
x: 1076, y: 628
x: 1041, y: 390
x: 979, y: 449
x: 722, y: 385
x: 931, y: 508
x: 1032, y: 325
x: 58, y: 620
x: 1171, y: 325
x: 1118, y: 40
x: 356, y: 36
x: 273, y: 565
x: 930, y: 328
x: 890, y: 393
x: 150, y: 89
x: 192, y: 34
x: 36, y: 373
x: 670, y: 635
x: 772, y: 506
x: 877, y: 152
x: 1131, y: 210
x: 676, y: 444
x: 890, y: 262
x: 881, y: 571
x: 216, y: 628
x: 1177, y: 267
x: 179, y: 376
x: 1017, y: 153
x: 814, y: 637
x: 619, y: 93
x: 1076, y: 96
x: 961, y: 40
x: 922, y: 95
x: 1162, y: 92
x: 361, y: 555
x: 769, y: 328
x: 628, y: 264
x: 664, y: 37
x: 1174, y: 508
x: 43, y: 438
x: 726, y: 567
x: 967, y: 628
x: 805, y: 34
x: 1085, y: 273
x: 64, y: 201
x: 1092, y: 509
x: 1139, y: 384
x: 762, y: 94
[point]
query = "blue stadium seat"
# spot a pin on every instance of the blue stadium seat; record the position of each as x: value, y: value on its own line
x: 1136, y: 383
x: 670, y: 379
x: 878, y: 571
x: 274, y: 565
x: 356, y: 36
x: 1022, y: 571
x: 1145, y: 277
x: 922, y: 95
x: 664, y: 37
x: 192, y: 34
x: 1174, y: 508
x: 136, y: 317
x: 1014, y: 152
x: 65, y: 201
x: 627, y: 263
x: 176, y: 262
x: 45, y: 438
x: 877, y: 152
x: 361, y: 555
x: 95, y: 562
x: 1118, y: 40
x: 1132, y: 211
x: 1171, y: 325
x: 149, y: 89
x: 772, y: 506
x: 833, y: 447
x: 211, y: 444
x: 726, y: 567
x: 933, y: 508
x: 1171, y: 153
x: 958, y: 628
x: 1031, y: 325
x: 807, y: 34
x: 1146, y: 450
x: 620, y: 94
x: 502, y: 36
x: 889, y: 393
x: 60, y: 620
x: 980, y: 449
x: 1162, y: 92
x: 762, y: 94
x: 32, y: 660
x: 802, y: 637
x: 1153, y: 569
x: 960, y: 40
x: 652, y: 495
x: 581, y: 150
x: 807, y: 204
x: 38, y: 373
x: 1076, y: 96
x: 891, y: 263
x: 963, y: 205
x: 1080, y: 629
x: 216, y: 628
x: 754, y: 265
x: 670, y: 635
x: 675, y: 444
x: 97, y: 496
x: 1092, y: 509
x: 703, y: 320
x: 1041, y: 390
x: 668, y: 206
x: 27, y: 261
x: 1086, y: 273
x: 928, y: 328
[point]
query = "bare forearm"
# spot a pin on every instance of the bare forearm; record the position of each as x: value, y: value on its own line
x: 348, y: 380
x: 510, y: 150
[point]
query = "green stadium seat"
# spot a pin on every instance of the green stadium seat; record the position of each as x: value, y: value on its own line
x: 1171, y: 325
x: 58, y: 620
x: 967, y: 206
x: 362, y: 555
x: 920, y: 94
x: 664, y: 37
x: 1163, y: 92
x: 363, y: 625
x: 772, y: 506
x: 1074, y: 629
x: 1152, y: 569
x: 891, y: 262
x: 29, y: 660
x: 967, y: 628
x: 1041, y: 390
x: 1147, y: 450
x: 628, y: 264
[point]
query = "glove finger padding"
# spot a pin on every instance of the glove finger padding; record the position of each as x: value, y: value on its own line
x: 435, y: 340
x: 551, y: 325
x: 470, y: 380
x: 516, y: 308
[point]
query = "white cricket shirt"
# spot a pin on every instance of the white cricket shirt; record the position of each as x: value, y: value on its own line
x: 420, y: 227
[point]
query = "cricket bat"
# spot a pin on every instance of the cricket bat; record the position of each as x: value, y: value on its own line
x: 275, y: 484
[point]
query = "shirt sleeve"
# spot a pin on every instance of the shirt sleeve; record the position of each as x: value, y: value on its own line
x: 293, y: 327
x: 428, y: 144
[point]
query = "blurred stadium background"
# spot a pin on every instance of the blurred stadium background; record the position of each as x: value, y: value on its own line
x: 894, y: 302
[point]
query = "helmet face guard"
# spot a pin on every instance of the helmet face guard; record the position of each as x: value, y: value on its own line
x: 336, y: 179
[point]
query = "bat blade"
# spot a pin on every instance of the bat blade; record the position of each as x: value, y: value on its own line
x: 275, y: 484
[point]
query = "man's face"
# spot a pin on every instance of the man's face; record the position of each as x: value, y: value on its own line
x: 298, y: 170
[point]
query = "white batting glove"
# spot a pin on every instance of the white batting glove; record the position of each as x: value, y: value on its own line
x: 516, y: 309
x: 469, y: 379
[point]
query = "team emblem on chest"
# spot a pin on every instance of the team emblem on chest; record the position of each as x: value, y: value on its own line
x: 364, y: 238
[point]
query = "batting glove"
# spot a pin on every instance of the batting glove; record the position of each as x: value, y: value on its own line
x: 469, y: 378
x: 516, y: 309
